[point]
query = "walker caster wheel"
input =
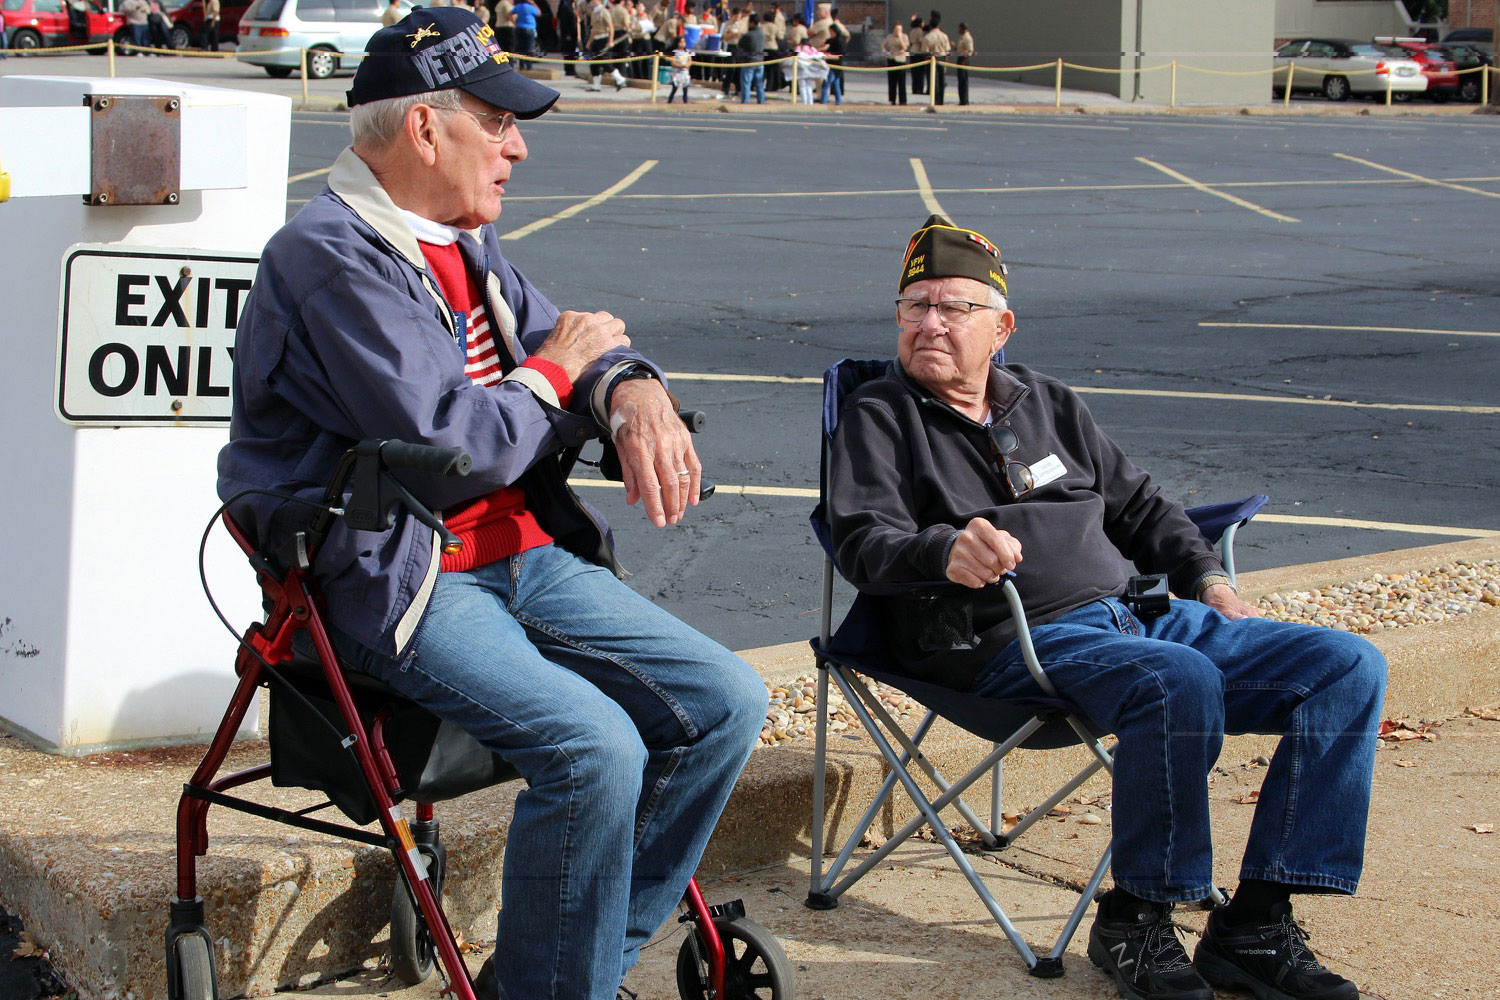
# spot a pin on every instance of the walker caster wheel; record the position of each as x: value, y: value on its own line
x: 755, y: 967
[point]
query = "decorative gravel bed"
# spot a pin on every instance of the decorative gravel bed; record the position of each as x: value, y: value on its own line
x: 1364, y: 606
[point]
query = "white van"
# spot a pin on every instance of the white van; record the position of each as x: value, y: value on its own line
x: 273, y: 33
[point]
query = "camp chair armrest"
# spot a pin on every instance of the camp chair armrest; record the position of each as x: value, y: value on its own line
x: 1023, y: 636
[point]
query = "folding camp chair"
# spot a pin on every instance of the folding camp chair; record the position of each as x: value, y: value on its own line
x: 1040, y: 724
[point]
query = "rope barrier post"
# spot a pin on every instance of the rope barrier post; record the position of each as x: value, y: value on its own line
x: 109, y: 49
x: 794, y: 79
x: 1057, y: 84
x: 932, y: 82
x: 655, y: 74
x: 302, y: 58
x: 1388, y: 90
x: 1286, y: 98
x: 1174, y: 84
x: 1484, y: 84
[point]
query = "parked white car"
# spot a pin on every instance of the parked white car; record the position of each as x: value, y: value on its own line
x: 273, y: 32
x: 1337, y: 67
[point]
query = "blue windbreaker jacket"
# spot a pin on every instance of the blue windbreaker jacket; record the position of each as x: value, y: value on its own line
x: 346, y: 336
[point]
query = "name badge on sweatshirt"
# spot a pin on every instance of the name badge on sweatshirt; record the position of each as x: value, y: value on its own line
x: 1047, y: 470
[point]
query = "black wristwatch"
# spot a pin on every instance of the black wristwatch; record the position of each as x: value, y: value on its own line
x: 636, y: 371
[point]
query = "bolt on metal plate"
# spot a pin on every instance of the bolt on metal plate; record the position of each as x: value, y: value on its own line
x: 136, y: 150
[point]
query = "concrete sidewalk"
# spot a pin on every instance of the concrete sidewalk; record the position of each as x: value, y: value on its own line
x: 86, y: 855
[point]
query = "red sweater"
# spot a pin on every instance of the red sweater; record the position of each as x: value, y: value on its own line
x: 497, y: 524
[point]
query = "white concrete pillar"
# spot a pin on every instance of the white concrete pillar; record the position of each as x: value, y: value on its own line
x: 106, y: 639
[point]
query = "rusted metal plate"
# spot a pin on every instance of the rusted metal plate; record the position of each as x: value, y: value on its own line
x: 137, y: 150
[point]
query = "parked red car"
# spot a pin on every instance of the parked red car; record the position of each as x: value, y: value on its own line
x: 1437, y: 65
x: 187, y: 23
x: 34, y: 24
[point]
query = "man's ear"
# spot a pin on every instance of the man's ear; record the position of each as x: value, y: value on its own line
x: 1005, y: 325
x: 421, y: 130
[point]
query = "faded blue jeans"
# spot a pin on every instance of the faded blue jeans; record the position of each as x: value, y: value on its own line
x: 1170, y: 688
x: 629, y: 728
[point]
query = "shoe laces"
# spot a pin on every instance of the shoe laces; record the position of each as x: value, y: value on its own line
x: 1292, y: 935
x: 1161, y: 947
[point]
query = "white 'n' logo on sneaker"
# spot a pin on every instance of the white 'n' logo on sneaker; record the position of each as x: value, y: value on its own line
x: 1120, y: 959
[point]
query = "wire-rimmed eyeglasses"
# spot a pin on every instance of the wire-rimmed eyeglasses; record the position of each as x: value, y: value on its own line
x: 503, y: 121
x: 1017, y: 477
x: 953, y: 311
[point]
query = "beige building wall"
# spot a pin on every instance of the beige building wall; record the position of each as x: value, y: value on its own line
x: 1224, y: 35
x: 1356, y: 19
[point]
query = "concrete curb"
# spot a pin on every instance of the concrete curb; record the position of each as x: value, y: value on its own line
x: 86, y: 845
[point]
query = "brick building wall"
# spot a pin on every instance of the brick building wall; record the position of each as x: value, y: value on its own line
x: 1471, y: 14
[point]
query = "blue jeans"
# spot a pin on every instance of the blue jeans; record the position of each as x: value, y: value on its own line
x: 832, y: 84
x: 753, y: 76
x: 1169, y: 688
x: 629, y: 728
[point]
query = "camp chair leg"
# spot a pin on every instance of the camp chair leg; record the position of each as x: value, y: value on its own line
x: 865, y: 821
x: 816, y: 898
x: 864, y: 695
x: 997, y: 815
x: 1049, y: 966
x: 930, y: 814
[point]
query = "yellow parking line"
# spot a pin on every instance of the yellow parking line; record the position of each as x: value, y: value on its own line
x: 807, y: 493
x: 1237, y: 397
x: 582, y: 206
x: 1200, y: 186
x: 758, y: 491
x: 1417, y: 177
x: 309, y: 175
x: 651, y: 125
x: 1356, y: 329
x: 1350, y: 522
x: 924, y: 188
x: 715, y: 377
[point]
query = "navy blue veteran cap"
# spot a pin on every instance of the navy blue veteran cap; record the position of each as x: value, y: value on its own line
x: 437, y: 48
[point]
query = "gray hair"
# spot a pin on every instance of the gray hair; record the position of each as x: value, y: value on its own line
x: 377, y: 123
x: 997, y: 300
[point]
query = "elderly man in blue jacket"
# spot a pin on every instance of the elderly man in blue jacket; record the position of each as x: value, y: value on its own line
x: 386, y: 310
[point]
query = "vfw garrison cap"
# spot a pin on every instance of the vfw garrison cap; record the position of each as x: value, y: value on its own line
x: 438, y: 48
x: 942, y: 250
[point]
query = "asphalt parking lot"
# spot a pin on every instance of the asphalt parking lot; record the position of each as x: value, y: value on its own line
x: 1307, y: 308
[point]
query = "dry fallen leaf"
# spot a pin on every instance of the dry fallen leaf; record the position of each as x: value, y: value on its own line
x: 1406, y: 763
x: 1481, y: 827
x: 1490, y: 713
x: 28, y: 948
x: 1249, y: 798
x: 1059, y: 811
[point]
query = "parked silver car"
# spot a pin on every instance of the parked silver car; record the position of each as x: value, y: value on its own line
x: 1337, y: 67
x: 273, y: 32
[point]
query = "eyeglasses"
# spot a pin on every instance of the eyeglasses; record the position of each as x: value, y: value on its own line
x: 1018, y: 478
x: 504, y: 121
x: 953, y: 312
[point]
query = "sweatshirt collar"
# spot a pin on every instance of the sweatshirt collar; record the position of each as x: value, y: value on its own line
x: 1004, y: 390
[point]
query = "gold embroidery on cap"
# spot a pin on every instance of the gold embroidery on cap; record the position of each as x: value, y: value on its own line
x: 425, y: 31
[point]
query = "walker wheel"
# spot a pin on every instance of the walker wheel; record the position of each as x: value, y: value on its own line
x: 412, y: 948
x: 194, y: 967
x: 755, y: 967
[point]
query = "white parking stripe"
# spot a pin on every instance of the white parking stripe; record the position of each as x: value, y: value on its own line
x: 582, y: 206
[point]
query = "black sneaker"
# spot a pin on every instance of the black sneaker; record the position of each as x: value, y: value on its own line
x: 1270, y: 960
x: 1144, y: 955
